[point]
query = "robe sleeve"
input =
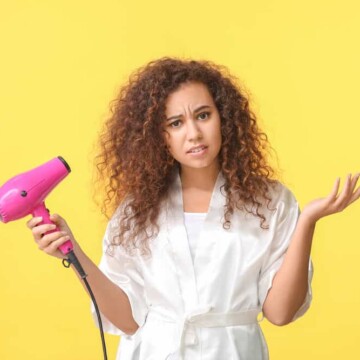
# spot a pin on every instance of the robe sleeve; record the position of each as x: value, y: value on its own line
x: 123, y: 270
x: 284, y: 224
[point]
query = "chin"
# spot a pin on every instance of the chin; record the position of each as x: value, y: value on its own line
x: 197, y: 165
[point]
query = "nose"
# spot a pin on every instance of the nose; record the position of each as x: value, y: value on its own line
x: 193, y: 130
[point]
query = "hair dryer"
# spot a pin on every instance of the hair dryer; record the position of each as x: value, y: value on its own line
x: 25, y: 194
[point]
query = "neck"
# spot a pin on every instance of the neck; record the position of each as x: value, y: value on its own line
x: 203, y: 178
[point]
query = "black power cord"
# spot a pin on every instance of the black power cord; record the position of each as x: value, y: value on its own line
x: 72, y: 259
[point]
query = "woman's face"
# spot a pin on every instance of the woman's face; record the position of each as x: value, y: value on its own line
x: 192, y: 126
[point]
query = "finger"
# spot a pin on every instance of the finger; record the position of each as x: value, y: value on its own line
x: 354, y: 182
x: 355, y: 196
x: 55, y: 218
x: 39, y: 231
x: 58, y: 220
x: 48, y: 239
x: 345, y: 194
x: 350, y: 194
x: 53, y: 247
x: 34, y: 221
x: 335, y: 190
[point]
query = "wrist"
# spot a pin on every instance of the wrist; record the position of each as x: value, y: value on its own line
x: 307, y: 220
x: 76, y: 248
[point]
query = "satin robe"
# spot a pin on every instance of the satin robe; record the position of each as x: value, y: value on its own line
x: 209, y: 308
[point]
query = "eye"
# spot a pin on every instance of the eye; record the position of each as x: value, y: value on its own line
x: 204, y: 115
x: 175, y: 124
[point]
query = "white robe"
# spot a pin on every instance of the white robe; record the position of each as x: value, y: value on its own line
x: 207, y: 309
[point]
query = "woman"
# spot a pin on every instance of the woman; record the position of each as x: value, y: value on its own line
x: 202, y: 238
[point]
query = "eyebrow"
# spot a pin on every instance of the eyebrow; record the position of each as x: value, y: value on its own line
x: 196, y: 110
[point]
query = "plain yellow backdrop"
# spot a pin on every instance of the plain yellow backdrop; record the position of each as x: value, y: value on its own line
x: 61, y: 63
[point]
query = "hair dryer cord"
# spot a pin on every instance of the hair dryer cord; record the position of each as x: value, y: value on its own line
x: 72, y: 259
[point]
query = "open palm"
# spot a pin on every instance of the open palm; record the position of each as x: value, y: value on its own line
x: 334, y: 202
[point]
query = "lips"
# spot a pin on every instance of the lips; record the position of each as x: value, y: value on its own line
x: 196, y: 149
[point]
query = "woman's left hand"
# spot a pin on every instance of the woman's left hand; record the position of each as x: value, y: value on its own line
x: 334, y: 202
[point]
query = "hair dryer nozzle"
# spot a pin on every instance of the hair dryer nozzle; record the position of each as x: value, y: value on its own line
x: 65, y: 163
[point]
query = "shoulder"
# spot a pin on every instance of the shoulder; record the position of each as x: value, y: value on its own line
x: 284, y: 206
x: 281, y: 194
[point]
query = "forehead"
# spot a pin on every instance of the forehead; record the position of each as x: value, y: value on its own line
x: 189, y: 95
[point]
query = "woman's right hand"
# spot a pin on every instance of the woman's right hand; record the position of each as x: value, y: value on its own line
x: 49, y: 243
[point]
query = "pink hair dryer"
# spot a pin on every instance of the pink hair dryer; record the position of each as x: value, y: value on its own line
x: 25, y: 194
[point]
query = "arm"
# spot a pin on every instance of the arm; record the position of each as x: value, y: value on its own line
x: 290, y: 284
x: 112, y: 301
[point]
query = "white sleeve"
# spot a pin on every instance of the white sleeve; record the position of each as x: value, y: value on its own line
x: 123, y: 270
x: 285, y: 223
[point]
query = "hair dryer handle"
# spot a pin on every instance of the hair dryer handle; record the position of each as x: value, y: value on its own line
x: 41, y: 210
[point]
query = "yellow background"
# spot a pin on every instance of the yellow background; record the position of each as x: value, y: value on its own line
x: 61, y: 63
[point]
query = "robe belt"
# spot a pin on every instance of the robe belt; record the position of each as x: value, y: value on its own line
x: 203, y: 317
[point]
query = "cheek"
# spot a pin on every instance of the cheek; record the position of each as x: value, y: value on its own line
x: 174, y: 147
x: 171, y: 140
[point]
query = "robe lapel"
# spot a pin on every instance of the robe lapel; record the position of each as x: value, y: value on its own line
x: 181, y: 254
x: 179, y: 244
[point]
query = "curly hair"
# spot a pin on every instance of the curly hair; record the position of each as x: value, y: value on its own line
x: 134, y: 163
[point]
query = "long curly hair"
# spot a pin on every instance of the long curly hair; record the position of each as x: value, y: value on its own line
x: 135, y: 167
